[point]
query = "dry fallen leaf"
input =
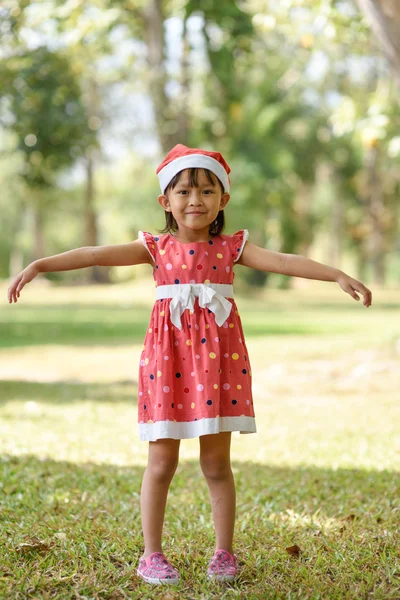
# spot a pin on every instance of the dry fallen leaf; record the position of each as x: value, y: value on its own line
x: 293, y: 550
x: 349, y: 518
x: 33, y: 544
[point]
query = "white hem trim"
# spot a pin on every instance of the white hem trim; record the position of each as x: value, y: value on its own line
x: 201, y: 161
x: 143, y: 240
x: 245, y: 238
x: 190, y: 429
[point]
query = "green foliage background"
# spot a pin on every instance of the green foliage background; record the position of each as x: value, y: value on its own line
x: 296, y: 96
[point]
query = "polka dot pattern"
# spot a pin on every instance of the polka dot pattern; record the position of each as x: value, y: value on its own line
x: 202, y: 371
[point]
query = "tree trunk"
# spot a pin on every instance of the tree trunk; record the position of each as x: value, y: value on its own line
x: 38, y: 219
x: 328, y: 179
x: 16, y: 262
x: 376, y: 209
x: 170, y: 118
x: 96, y: 274
x: 362, y: 261
x: 384, y: 19
x: 302, y: 206
x: 336, y: 230
x: 183, y: 115
x: 255, y: 277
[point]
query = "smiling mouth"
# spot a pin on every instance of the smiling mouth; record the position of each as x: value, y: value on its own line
x: 195, y: 213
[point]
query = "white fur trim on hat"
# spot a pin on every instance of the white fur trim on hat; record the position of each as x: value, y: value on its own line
x: 201, y: 161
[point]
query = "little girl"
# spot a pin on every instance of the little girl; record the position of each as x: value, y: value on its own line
x: 195, y: 373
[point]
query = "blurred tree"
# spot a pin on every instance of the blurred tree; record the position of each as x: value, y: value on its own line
x: 83, y: 32
x: 362, y: 123
x: 350, y: 87
x: 254, y: 110
x: 292, y: 92
x: 170, y: 113
x: 12, y: 207
x: 43, y: 107
x: 145, y: 22
x: 87, y: 30
x: 384, y: 18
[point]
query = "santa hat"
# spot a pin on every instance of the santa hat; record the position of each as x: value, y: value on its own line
x: 181, y: 157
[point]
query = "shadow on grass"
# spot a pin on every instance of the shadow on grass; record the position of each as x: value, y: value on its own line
x: 69, y: 391
x: 92, y: 325
x: 83, y: 529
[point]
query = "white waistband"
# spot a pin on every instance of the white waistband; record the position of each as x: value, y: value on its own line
x: 211, y: 295
x: 169, y: 291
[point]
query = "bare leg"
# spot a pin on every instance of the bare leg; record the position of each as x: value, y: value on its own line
x: 162, y: 463
x: 215, y: 464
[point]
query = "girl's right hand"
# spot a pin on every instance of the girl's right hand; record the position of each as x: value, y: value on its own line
x: 20, y: 280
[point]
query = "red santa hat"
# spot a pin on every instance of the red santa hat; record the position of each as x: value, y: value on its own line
x: 181, y: 157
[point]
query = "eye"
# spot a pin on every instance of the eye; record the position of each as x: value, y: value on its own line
x: 211, y: 191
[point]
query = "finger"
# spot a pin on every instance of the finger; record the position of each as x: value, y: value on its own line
x: 367, y: 296
x: 352, y: 292
x: 10, y: 293
x: 360, y: 287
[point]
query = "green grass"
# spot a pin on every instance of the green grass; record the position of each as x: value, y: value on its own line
x: 323, y: 471
x: 98, y: 323
x: 72, y: 324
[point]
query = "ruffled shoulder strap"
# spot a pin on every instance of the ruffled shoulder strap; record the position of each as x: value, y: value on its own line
x: 238, y: 241
x: 149, y: 241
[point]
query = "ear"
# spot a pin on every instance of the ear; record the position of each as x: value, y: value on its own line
x: 224, y: 201
x: 164, y: 202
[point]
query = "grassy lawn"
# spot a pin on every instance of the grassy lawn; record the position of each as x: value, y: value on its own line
x: 322, y: 473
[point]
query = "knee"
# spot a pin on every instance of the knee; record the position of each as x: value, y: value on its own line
x: 215, y: 468
x: 163, y: 469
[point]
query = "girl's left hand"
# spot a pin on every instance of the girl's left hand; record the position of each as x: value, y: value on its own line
x: 351, y: 286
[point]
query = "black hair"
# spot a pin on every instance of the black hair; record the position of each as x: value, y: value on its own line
x: 171, y: 225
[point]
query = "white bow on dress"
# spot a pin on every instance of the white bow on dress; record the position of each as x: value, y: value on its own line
x: 183, y: 295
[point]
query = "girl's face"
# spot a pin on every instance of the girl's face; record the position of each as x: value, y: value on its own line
x: 195, y: 208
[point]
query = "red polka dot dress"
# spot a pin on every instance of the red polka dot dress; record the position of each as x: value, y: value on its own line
x: 194, y: 374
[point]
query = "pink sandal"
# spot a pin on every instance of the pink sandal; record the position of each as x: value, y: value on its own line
x: 156, y: 569
x: 223, y: 566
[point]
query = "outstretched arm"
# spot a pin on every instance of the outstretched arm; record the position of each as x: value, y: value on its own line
x: 133, y: 253
x: 300, y: 266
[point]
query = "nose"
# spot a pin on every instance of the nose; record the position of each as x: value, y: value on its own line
x: 195, y: 199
